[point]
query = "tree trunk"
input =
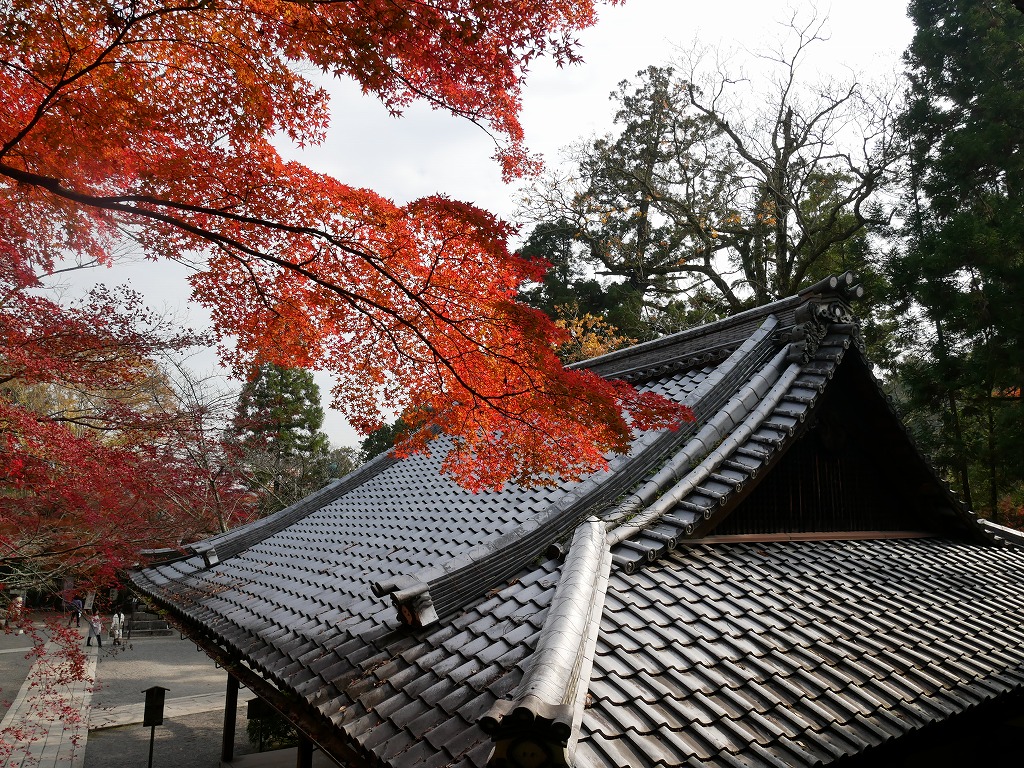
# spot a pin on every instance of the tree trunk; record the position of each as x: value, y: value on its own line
x: 954, y: 412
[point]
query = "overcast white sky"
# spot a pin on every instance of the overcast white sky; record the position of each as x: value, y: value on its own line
x: 426, y: 152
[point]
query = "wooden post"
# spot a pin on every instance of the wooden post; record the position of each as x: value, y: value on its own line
x: 304, y: 754
x: 153, y: 714
x: 227, y: 745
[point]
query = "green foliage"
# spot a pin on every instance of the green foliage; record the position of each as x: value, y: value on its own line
x: 1011, y: 508
x: 271, y: 732
x: 961, y: 267
x: 569, y: 283
x: 381, y: 440
x: 277, y: 429
x: 616, y: 219
x: 565, y: 280
x: 342, y: 461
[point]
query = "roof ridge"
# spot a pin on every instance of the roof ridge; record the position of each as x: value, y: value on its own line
x: 421, y: 598
x: 547, y: 706
x: 701, y: 444
x: 616, y: 364
x: 696, y: 475
x: 1003, y: 533
x: 679, y: 465
x: 817, y: 346
x: 818, y: 326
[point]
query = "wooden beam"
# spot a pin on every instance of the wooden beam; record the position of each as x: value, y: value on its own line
x: 304, y: 754
x: 318, y: 729
x: 227, y: 744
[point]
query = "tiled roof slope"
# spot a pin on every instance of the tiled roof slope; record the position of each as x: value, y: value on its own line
x: 298, y: 604
x: 797, y: 653
x: 295, y: 597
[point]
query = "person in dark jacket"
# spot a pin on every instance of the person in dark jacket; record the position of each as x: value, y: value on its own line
x: 76, y: 612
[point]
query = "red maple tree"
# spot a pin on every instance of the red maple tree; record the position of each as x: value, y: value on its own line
x: 101, y: 456
x: 153, y: 120
x: 96, y: 457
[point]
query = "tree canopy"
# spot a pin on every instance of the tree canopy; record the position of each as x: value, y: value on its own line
x: 276, y: 427
x: 701, y: 204
x: 100, y: 456
x: 154, y: 122
x: 960, y: 272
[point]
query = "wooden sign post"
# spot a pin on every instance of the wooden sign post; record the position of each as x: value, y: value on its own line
x: 153, y: 715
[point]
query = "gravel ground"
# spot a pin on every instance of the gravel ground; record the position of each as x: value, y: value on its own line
x: 124, y: 672
x: 193, y: 741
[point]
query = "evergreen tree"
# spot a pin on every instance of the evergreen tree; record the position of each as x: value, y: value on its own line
x: 565, y: 282
x: 277, y: 429
x: 960, y: 273
x: 620, y: 211
x: 381, y: 440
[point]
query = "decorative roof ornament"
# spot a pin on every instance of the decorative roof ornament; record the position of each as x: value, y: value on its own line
x: 814, y: 319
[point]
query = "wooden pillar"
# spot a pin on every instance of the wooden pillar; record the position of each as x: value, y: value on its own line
x: 227, y: 744
x: 304, y: 754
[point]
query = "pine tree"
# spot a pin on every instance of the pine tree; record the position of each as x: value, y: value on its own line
x: 277, y: 429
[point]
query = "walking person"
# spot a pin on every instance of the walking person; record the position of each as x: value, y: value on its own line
x: 95, y: 630
x: 117, y: 624
x: 76, y: 612
x: 13, y: 619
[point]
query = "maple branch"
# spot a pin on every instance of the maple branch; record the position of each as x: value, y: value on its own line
x: 130, y: 204
x: 101, y: 59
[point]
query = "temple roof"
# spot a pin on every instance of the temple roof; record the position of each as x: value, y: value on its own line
x: 784, y: 582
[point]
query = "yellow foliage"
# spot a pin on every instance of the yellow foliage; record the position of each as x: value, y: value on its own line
x: 589, y: 335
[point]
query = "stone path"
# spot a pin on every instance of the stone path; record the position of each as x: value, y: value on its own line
x: 53, y: 733
x: 101, y: 718
x: 190, y: 735
x: 50, y: 733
